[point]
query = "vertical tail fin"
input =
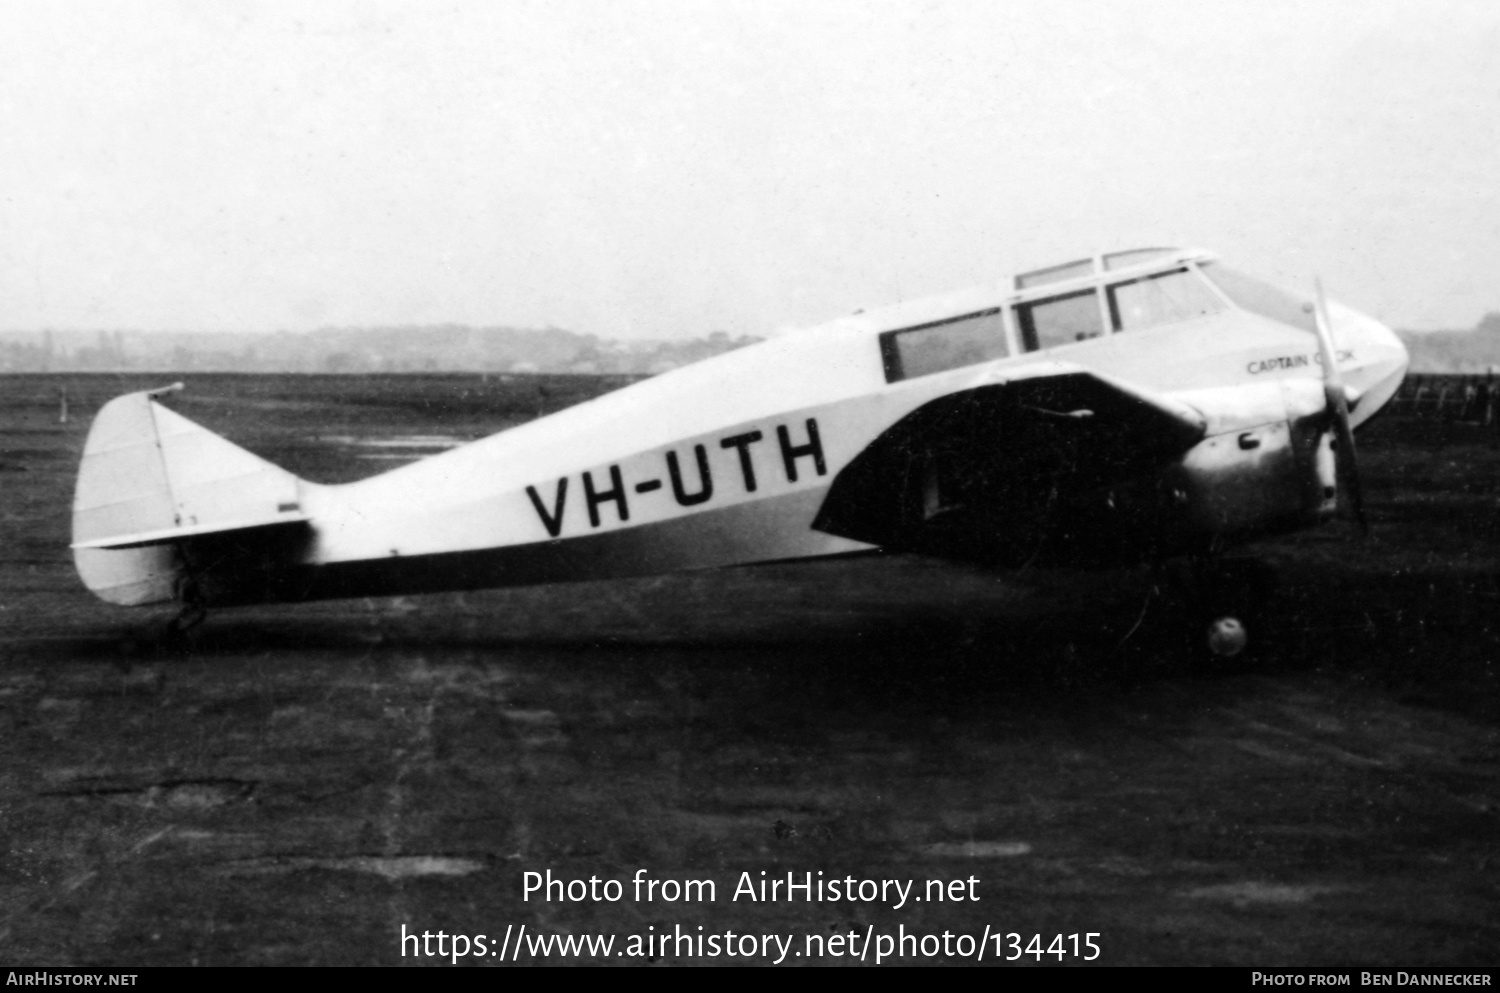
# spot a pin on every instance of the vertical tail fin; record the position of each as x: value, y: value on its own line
x: 151, y: 480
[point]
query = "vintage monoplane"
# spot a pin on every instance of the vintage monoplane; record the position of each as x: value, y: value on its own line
x: 1125, y: 408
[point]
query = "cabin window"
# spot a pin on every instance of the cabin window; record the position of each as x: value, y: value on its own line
x: 1162, y: 298
x: 1060, y: 320
x: 1262, y: 298
x: 944, y: 345
x: 1056, y: 274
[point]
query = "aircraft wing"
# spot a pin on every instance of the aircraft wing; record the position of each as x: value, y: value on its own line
x: 1005, y: 467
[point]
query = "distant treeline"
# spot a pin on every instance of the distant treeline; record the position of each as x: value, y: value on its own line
x: 459, y: 348
x: 428, y: 348
x: 1455, y: 351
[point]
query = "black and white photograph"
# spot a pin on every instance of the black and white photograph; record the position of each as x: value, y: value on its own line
x: 823, y: 483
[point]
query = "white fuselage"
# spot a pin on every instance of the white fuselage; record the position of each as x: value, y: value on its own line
x: 729, y: 461
x: 715, y: 464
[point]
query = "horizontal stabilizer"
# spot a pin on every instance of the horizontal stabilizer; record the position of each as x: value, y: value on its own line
x: 167, y: 536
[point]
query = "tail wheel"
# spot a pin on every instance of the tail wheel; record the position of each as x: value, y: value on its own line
x: 194, y: 607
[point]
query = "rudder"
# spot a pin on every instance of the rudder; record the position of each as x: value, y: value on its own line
x: 150, y: 481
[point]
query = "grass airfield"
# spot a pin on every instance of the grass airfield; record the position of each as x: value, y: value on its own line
x: 296, y: 784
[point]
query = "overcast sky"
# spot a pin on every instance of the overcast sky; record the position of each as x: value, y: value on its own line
x: 654, y: 169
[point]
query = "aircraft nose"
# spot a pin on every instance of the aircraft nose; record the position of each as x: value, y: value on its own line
x: 1376, y: 361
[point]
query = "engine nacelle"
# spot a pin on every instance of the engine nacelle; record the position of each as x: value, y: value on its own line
x: 1267, y: 464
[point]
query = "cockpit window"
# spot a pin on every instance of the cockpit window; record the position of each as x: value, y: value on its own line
x: 1262, y: 298
x: 931, y: 348
x: 1060, y: 320
x: 1161, y: 298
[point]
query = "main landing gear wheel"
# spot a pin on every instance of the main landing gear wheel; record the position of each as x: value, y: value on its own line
x: 1227, y: 637
x: 1220, y: 610
x: 1228, y: 599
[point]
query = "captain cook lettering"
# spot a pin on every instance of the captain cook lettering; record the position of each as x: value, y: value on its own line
x: 1292, y: 362
x: 690, y: 476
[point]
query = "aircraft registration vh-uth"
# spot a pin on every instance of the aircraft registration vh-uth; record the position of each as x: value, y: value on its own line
x: 1121, y: 409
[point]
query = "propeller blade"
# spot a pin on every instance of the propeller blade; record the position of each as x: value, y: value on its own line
x: 1346, y: 464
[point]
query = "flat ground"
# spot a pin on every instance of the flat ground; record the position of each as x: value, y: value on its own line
x: 300, y: 783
